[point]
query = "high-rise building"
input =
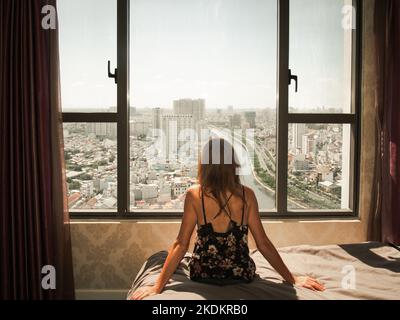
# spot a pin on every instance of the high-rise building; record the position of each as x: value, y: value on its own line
x: 236, y: 121
x: 177, y: 130
x: 108, y: 130
x: 299, y: 130
x: 139, y: 128
x: 308, y: 144
x: 251, y: 119
x: 195, y: 108
x: 156, y: 120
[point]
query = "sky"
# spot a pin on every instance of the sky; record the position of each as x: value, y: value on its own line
x: 224, y: 51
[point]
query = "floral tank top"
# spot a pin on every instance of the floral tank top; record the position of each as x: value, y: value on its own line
x: 222, y: 258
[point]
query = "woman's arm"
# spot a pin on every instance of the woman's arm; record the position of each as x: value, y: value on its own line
x: 269, y: 251
x: 177, y: 251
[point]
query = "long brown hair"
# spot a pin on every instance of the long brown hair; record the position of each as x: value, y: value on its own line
x: 217, y: 173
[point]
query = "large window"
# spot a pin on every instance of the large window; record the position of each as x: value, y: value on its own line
x: 277, y: 78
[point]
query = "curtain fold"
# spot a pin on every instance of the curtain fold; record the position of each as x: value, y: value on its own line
x: 34, y: 218
x: 387, y: 35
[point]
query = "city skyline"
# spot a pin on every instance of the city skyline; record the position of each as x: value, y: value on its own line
x: 162, y: 168
x: 229, y: 108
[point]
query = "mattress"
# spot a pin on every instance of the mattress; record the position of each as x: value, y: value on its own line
x: 349, y: 272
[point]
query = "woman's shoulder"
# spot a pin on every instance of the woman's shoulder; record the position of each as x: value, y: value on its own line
x: 194, y: 191
x: 249, y: 193
x: 246, y: 188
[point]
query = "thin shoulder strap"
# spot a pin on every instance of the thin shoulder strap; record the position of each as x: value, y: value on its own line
x: 244, y: 204
x: 202, y: 203
x: 229, y: 209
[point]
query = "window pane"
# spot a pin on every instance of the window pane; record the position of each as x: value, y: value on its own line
x: 201, y: 69
x: 319, y: 166
x: 91, y: 161
x: 321, y: 55
x: 88, y: 39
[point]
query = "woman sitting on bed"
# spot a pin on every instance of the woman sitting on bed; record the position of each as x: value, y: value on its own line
x: 224, y: 211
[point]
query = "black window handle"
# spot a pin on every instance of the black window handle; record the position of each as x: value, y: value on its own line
x: 112, y: 75
x: 293, y: 77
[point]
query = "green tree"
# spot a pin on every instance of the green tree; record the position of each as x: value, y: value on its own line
x: 74, y: 185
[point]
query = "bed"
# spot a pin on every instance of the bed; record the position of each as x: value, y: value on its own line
x: 356, y: 271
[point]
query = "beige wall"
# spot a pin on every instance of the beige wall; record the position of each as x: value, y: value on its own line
x: 108, y: 255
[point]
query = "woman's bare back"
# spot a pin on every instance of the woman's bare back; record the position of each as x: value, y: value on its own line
x: 234, y: 207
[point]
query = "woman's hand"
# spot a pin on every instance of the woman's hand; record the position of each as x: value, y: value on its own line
x: 145, y: 292
x: 309, y: 283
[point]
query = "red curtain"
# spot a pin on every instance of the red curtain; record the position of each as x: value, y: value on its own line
x: 387, y: 40
x: 34, y: 219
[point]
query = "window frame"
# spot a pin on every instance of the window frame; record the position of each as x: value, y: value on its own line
x: 284, y: 118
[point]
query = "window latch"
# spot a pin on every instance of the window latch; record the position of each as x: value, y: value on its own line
x: 293, y: 77
x: 112, y: 75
